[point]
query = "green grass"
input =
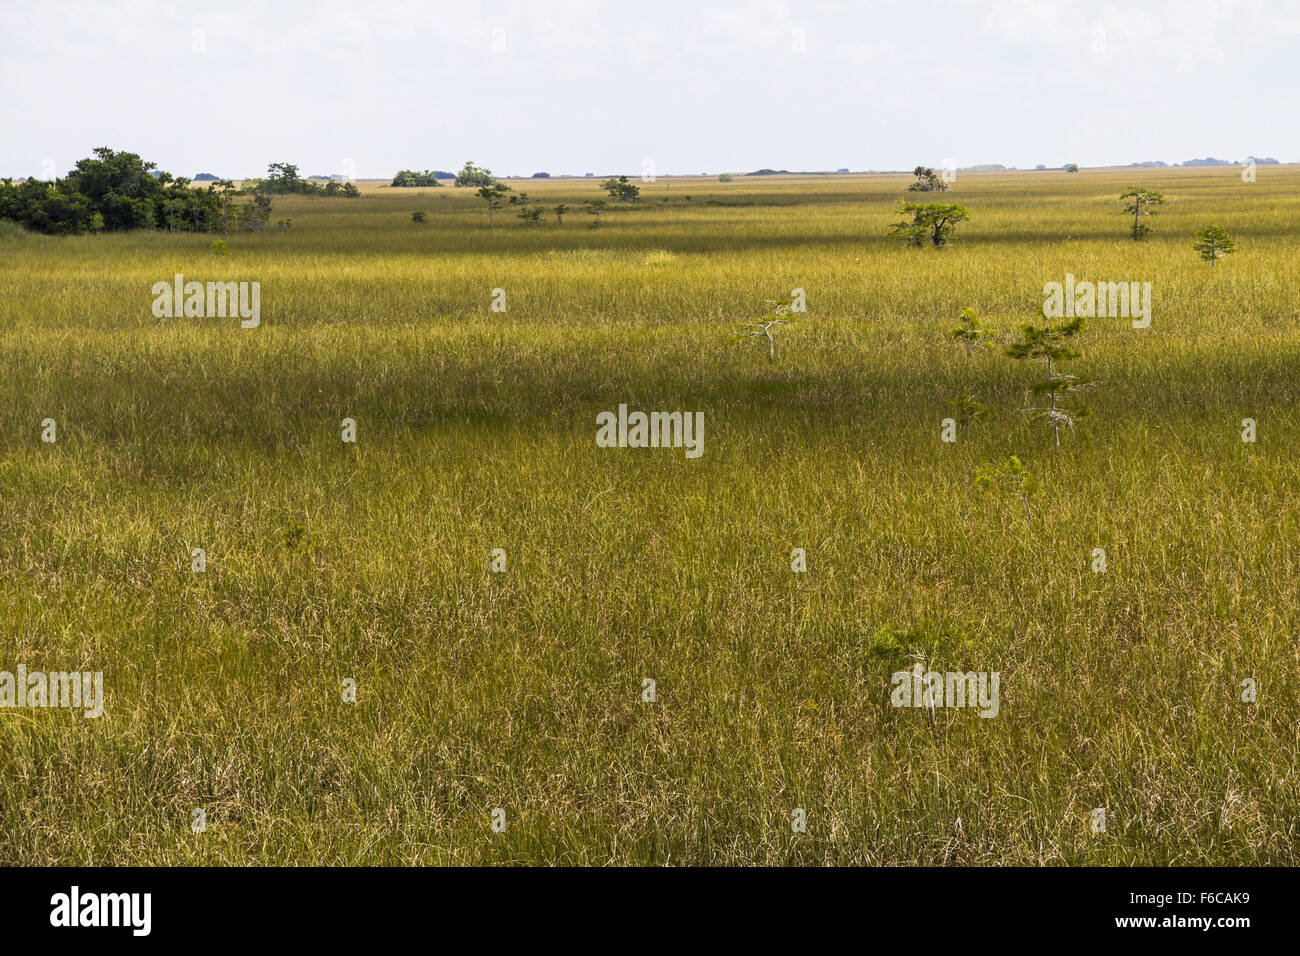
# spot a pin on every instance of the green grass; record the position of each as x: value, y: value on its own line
x: 523, y: 690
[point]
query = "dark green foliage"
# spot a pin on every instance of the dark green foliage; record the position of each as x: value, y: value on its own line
x: 116, y: 192
x: 409, y: 177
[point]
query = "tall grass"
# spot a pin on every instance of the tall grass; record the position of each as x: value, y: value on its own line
x: 522, y: 690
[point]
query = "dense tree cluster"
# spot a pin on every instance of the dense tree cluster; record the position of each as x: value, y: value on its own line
x: 119, y: 191
x: 409, y: 177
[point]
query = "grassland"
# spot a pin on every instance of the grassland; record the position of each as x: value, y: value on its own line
x: 522, y: 690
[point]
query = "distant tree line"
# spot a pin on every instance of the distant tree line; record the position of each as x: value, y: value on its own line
x: 118, y: 191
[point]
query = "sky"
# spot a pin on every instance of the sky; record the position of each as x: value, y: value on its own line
x: 362, y: 89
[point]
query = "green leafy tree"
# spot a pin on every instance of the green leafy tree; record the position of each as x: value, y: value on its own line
x: 621, y: 189
x: 116, y: 191
x: 1138, y: 203
x: 970, y: 332
x: 1071, y: 167
x: 1213, y: 243
x: 1050, y: 345
x: 933, y: 222
x: 493, y: 193
x: 594, y: 207
x: 476, y: 176
x: 531, y: 215
x: 418, y: 216
x: 560, y: 210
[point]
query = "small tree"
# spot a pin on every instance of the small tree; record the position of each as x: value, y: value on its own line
x: 418, y: 217
x: 1048, y: 345
x: 531, y: 215
x: 766, y: 326
x: 724, y: 177
x: 927, y: 180
x: 493, y: 193
x: 1140, y: 202
x: 1014, y: 477
x: 970, y: 332
x: 1071, y: 167
x: 621, y: 189
x: 594, y: 207
x: 560, y: 210
x: 967, y: 410
x: 1213, y: 243
x: 936, y: 222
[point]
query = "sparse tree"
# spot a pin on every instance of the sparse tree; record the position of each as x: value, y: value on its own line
x: 621, y: 189
x: 1141, y: 202
x: 967, y: 410
x: 594, y: 207
x: 560, y: 210
x: 1071, y: 167
x: 1213, y: 243
x: 970, y: 332
x: 1048, y: 344
x: 766, y: 326
x: 493, y: 193
x: 1014, y: 477
x: 936, y: 222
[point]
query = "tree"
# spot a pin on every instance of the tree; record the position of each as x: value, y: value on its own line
x: 1016, y: 478
x: 1140, y: 203
x: 724, y: 177
x: 1071, y: 167
x: 1050, y: 344
x: 116, y: 191
x: 967, y: 409
x: 493, y: 193
x: 531, y: 215
x: 621, y: 189
x: 418, y: 216
x: 927, y: 180
x: 970, y: 331
x: 471, y: 175
x: 1213, y: 243
x: 407, y: 178
x: 765, y: 326
x: 560, y: 210
x: 936, y: 222
x: 594, y: 207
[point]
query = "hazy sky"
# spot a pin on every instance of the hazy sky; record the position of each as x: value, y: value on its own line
x: 575, y: 86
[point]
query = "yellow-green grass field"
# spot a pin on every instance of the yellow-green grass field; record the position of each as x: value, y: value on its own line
x: 522, y: 690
